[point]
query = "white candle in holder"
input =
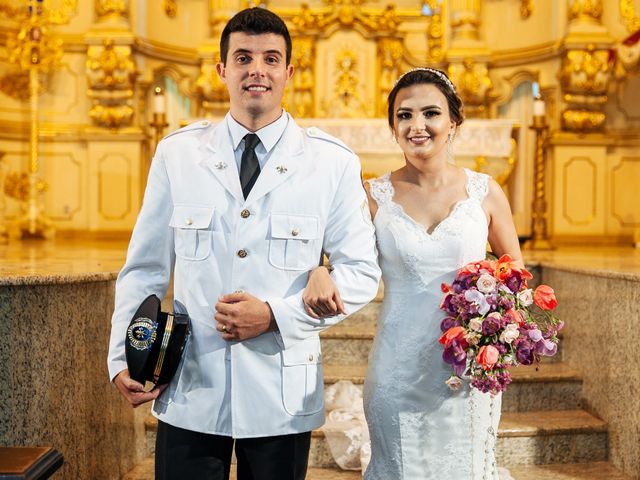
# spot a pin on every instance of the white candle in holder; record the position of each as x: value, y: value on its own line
x: 538, y: 107
x: 158, y: 101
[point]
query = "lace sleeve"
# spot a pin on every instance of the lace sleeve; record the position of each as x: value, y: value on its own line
x: 477, y: 185
x: 381, y: 189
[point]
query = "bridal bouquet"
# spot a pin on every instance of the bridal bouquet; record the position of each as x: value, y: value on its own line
x: 495, y: 321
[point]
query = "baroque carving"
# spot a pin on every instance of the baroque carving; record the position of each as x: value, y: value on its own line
x: 435, y: 33
x: 390, y: 52
x: 585, y: 10
x: 303, y: 60
x: 473, y: 85
x: 347, y: 14
x: 584, y: 77
x: 111, y: 73
x: 628, y: 13
x: 112, y: 8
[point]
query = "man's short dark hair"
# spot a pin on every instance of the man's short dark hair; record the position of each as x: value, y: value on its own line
x: 254, y: 21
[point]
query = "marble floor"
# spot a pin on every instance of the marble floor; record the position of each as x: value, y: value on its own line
x: 21, y: 260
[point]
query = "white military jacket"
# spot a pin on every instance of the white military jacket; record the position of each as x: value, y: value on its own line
x: 195, y: 221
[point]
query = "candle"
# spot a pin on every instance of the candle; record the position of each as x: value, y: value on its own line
x: 158, y: 101
x: 538, y: 107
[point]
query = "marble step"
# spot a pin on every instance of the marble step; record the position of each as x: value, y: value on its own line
x: 349, y: 342
x: 548, y: 386
x: 144, y: 471
x: 524, y: 438
x: 571, y: 471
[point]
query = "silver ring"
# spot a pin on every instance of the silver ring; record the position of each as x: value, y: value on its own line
x: 224, y: 329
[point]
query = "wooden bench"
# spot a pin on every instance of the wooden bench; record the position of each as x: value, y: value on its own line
x: 29, y: 463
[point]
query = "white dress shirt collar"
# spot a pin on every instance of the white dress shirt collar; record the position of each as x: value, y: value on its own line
x: 268, y: 135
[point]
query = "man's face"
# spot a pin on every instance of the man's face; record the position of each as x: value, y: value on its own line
x: 256, y: 73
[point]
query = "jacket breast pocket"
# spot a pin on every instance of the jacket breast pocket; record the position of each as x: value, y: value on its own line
x: 293, y: 242
x: 302, y: 378
x: 192, y: 231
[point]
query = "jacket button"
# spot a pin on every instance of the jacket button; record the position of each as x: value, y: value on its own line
x: 295, y: 232
x: 242, y: 253
x: 311, y: 358
x: 245, y: 213
x: 188, y: 221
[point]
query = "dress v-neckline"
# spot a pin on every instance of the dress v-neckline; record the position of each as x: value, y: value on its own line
x: 421, y: 226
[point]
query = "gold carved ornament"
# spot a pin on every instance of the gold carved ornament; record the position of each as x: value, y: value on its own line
x: 303, y: 61
x: 345, y: 13
x: 585, y: 10
x: 584, y: 77
x: 111, y: 73
x: 390, y: 53
x: 628, y: 13
x: 435, y: 32
x: 112, y: 8
x: 473, y: 85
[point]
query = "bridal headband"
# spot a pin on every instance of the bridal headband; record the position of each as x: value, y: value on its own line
x: 435, y: 71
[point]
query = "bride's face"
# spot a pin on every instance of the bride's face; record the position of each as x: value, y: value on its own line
x: 422, y: 123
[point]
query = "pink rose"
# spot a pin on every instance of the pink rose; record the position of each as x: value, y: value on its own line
x: 487, y: 356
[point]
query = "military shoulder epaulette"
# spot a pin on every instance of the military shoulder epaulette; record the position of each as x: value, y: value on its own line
x: 315, y: 132
x: 192, y: 126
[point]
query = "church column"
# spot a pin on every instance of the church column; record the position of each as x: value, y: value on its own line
x: 581, y: 171
x: 115, y: 140
x: 468, y: 57
x: 585, y: 74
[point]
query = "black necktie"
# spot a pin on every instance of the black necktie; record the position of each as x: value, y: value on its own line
x: 249, y: 166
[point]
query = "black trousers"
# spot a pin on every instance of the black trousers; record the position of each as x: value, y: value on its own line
x: 192, y: 455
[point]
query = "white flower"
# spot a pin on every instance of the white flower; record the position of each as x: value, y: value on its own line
x: 525, y: 297
x: 454, y: 382
x: 510, y: 333
x: 477, y: 298
x: 472, y: 338
x: 486, y: 283
x: 476, y: 324
x: 507, y: 359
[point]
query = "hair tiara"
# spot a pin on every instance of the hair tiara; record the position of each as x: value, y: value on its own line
x: 439, y: 73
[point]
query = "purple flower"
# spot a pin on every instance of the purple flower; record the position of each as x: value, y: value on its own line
x: 514, y: 282
x: 546, y: 347
x: 447, y: 323
x: 535, y: 334
x: 455, y: 356
x: 524, y: 352
x: 492, y: 324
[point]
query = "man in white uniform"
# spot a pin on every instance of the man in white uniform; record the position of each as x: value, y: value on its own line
x: 241, y: 211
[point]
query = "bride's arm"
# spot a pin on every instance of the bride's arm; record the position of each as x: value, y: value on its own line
x: 503, y: 237
x: 321, y: 297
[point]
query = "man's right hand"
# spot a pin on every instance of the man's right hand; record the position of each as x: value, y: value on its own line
x: 134, y: 391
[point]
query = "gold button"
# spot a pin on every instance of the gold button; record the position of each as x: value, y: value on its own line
x: 245, y: 213
x: 295, y: 232
x: 311, y: 358
x: 242, y: 253
x: 188, y: 221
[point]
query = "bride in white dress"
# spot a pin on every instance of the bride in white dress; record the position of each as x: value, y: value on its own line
x: 431, y: 218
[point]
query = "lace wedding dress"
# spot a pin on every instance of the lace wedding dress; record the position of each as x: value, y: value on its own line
x: 419, y: 428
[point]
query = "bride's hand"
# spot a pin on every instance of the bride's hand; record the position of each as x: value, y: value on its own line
x: 321, y: 297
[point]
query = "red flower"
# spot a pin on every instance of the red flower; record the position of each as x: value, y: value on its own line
x: 474, y: 268
x: 454, y: 333
x: 545, y: 298
x: 487, y: 356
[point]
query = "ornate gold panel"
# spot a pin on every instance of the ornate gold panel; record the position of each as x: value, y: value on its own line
x: 114, y: 186
x: 579, y: 191
x: 625, y: 194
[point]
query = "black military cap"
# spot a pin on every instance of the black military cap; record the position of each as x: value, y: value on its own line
x: 154, y: 343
